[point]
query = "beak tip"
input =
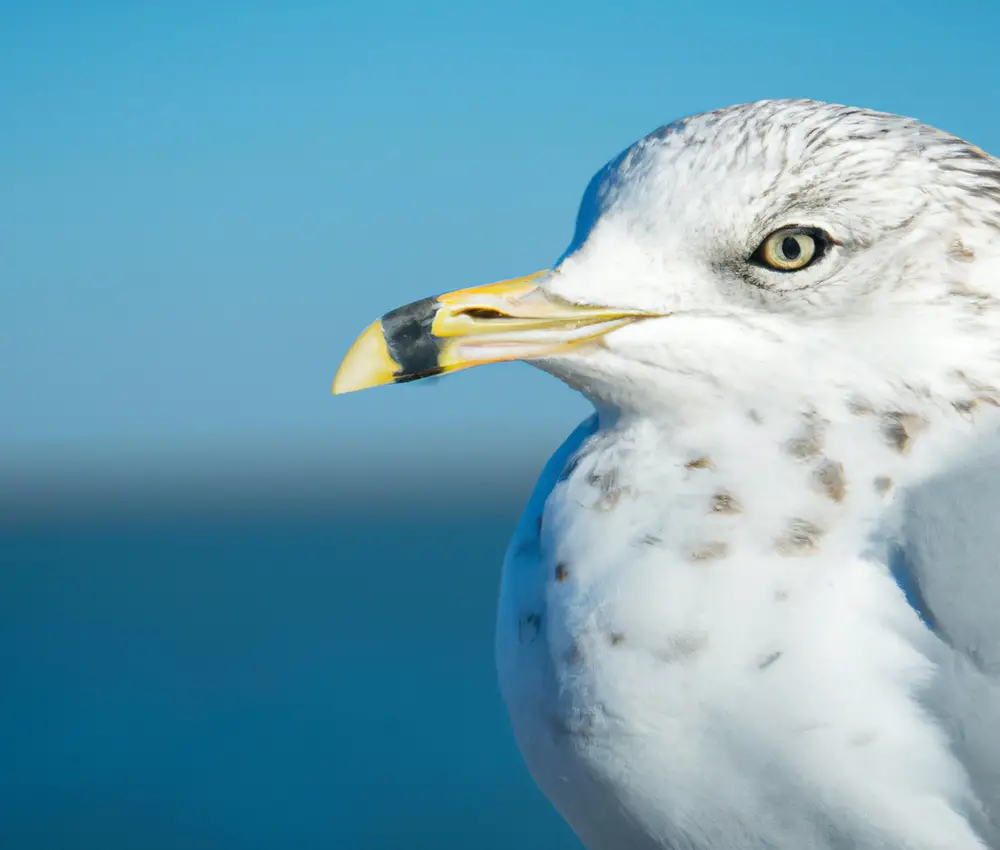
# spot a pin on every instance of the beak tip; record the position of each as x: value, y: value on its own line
x: 366, y: 364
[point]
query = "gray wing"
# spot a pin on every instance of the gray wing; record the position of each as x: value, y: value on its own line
x: 948, y: 564
x: 948, y: 561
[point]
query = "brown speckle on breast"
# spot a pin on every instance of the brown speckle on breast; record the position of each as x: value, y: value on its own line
x: 958, y: 251
x: 610, y: 490
x: 899, y: 429
x: 882, y: 484
x: 809, y: 443
x: 725, y: 503
x: 829, y: 479
x: 703, y: 462
x: 801, y: 538
x: 713, y: 551
x: 986, y: 393
x: 966, y: 407
x: 562, y: 571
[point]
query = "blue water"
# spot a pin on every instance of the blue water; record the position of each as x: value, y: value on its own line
x: 275, y: 682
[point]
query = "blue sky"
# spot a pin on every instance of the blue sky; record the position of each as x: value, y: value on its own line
x: 203, y: 203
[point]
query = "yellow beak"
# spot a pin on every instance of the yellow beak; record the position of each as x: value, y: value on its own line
x: 510, y: 320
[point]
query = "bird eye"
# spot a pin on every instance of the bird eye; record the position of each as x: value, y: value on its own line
x: 791, y: 249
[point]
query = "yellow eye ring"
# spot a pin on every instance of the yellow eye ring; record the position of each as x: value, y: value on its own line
x: 791, y: 249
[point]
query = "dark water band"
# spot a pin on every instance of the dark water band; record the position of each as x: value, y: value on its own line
x: 410, y: 342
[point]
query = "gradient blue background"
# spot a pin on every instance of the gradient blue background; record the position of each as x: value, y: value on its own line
x: 224, y: 621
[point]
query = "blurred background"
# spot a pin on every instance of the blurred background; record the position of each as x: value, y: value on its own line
x: 236, y: 612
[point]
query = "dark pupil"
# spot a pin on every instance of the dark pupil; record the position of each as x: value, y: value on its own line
x: 790, y: 248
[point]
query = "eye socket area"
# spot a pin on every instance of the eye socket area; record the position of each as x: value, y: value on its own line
x: 791, y: 249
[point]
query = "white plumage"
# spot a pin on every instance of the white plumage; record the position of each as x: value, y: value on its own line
x: 753, y: 602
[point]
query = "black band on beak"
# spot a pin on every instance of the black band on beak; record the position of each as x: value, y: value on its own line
x: 410, y: 342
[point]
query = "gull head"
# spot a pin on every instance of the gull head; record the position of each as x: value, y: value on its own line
x: 788, y: 253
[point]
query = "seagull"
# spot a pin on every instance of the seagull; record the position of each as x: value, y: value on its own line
x: 754, y: 600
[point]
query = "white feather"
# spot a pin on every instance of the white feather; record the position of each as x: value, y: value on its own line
x: 704, y: 646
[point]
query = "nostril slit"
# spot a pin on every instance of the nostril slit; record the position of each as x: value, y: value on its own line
x: 483, y: 313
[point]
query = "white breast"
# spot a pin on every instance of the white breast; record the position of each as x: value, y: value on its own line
x: 688, y: 666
